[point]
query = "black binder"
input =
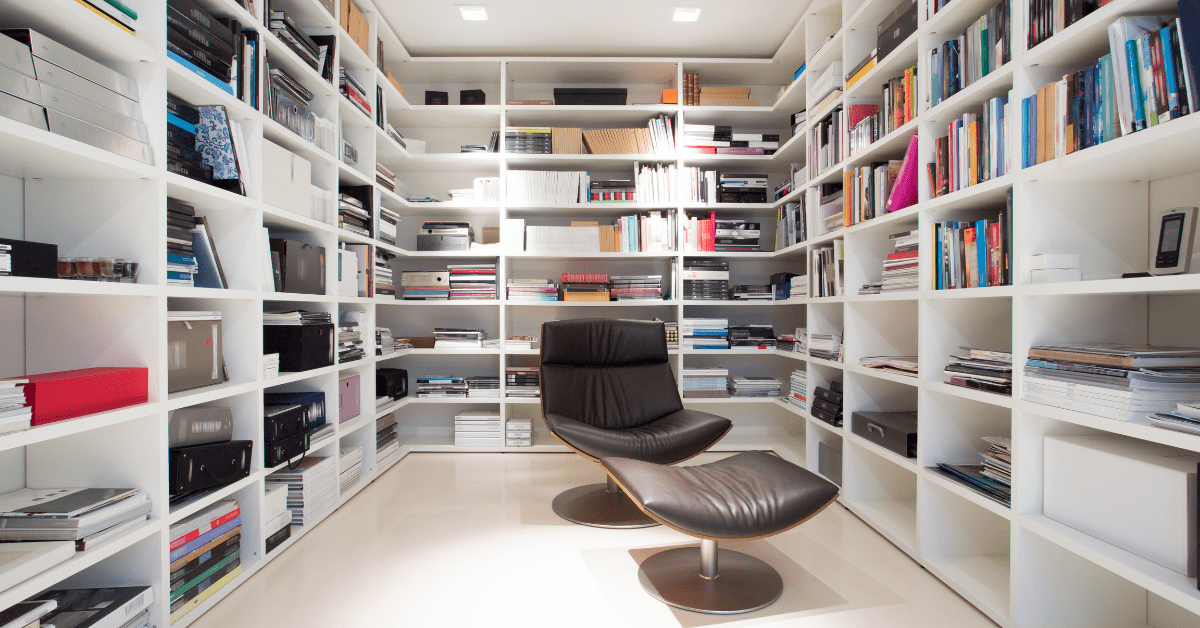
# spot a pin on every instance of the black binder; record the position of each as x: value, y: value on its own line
x: 191, y: 469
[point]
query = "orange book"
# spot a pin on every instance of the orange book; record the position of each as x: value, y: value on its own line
x: 973, y: 154
x: 907, y: 112
x: 1041, y: 124
x: 670, y: 97
x: 847, y: 198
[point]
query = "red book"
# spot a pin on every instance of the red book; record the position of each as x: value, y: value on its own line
x: 585, y: 277
x: 700, y: 150
x: 69, y: 394
x: 205, y: 527
x: 903, y: 255
x: 856, y: 113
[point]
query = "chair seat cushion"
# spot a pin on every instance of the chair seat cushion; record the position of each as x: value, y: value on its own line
x: 674, y: 437
x: 746, y: 496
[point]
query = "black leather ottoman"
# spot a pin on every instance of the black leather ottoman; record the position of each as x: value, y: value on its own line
x: 747, y: 496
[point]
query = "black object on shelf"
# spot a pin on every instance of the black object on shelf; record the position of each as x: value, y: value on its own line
x: 896, y: 28
x: 894, y: 431
x: 301, y: 267
x: 590, y: 95
x: 300, y: 347
x: 472, y: 97
x: 437, y: 98
x: 200, y: 467
x: 21, y: 258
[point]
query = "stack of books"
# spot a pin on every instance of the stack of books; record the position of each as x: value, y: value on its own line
x: 825, y: 346
x: 205, y: 555
x: 780, y: 285
x: 798, y: 395
x: 386, y: 178
x: 87, y: 517
x: 312, y: 488
x: 385, y: 282
x: 543, y: 186
x: 612, y: 191
x: 278, y: 527
x: 981, y: 369
x: 635, y: 287
x: 182, y: 156
x: 353, y: 216
x: 458, y: 338
x: 349, y: 469
x: 181, y: 256
x: 387, y: 441
x: 704, y: 333
x: 827, y: 88
x: 799, y: 287
x: 708, y: 139
x: 1121, y: 382
x: 528, y: 140
x: 354, y: 92
x: 214, y: 48
x: 899, y: 364
x: 736, y: 235
x: 350, y: 342
x: 752, y: 292
x: 982, y: 49
x: 993, y: 478
x: 523, y: 382
x: 900, y: 266
x: 282, y: 26
x: 14, y: 414
x: 791, y: 223
x: 425, y: 285
x: 441, y: 388
x: 754, y: 386
x: 705, y: 279
x: 472, y: 281
x: 520, y: 343
x: 796, y: 342
x: 483, y: 387
x: 532, y: 290
x: 974, y: 254
x: 385, y: 343
x: 751, y: 337
x: 798, y: 121
x: 518, y: 432
x: 478, y: 428
x: 1184, y: 418
x: 705, y: 382
x: 585, y: 287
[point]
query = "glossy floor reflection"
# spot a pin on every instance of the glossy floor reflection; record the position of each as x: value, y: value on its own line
x: 470, y: 540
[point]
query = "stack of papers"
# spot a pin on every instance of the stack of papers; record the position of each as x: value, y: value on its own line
x: 900, y: 364
x: 754, y: 386
x: 705, y: 382
x: 981, y: 369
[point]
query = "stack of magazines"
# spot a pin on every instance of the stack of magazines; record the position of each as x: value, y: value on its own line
x: 1121, y: 382
x: 825, y: 346
x: 450, y: 338
x: 899, y: 364
x: 981, y: 369
x: 296, y: 317
x: 993, y: 478
x: 87, y: 516
x: 1184, y: 418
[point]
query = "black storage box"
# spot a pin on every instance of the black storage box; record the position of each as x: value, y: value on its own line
x: 391, y: 383
x: 894, y: 431
x: 827, y: 406
x: 437, y: 98
x: 300, y: 347
x: 280, y: 422
x: 200, y: 467
x: 896, y: 28
x: 283, y: 450
x: 301, y: 266
x: 21, y: 258
x: 443, y: 242
x: 832, y: 419
x: 277, y: 538
x: 472, y: 97
x: 741, y: 195
x: 313, y: 403
x: 829, y: 395
x: 590, y: 95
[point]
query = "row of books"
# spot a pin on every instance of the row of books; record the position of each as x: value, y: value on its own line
x: 710, y: 234
x: 715, y: 383
x: 694, y: 94
x: 541, y: 186
x: 205, y: 555
x: 798, y: 389
x: 974, y: 150
x: 973, y: 254
x: 825, y: 148
x: 204, y: 144
x: 354, y: 213
x: 1047, y: 18
x: 867, y: 189
x: 1146, y: 79
x: 828, y: 265
x: 980, y: 50
x: 457, y: 282
x: 353, y: 91
x: 215, y: 48
x: 652, y: 231
x: 791, y: 223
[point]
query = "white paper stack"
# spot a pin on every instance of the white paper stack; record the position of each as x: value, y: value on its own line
x: 270, y: 365
x: 518, y: 433
x: 478, y: 428
x: 312, y: 488
x: 275, y: 508
x: 349, y: 468
x: 14, y: 414
x: 1054, y: 267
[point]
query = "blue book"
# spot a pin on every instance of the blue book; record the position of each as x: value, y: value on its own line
x: 226, y: 87
x: 181, y: 123
x: 1135, y: 85
x: 173, y: 258
x: 798, y: 72
x: 981, y: 255
x: 204, y: 539
x: 941, y: 268
x: 1169, y: 68
x: 177, y: 276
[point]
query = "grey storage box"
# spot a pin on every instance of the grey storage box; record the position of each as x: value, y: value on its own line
x: 894, y: 431
x: 194, y: 354
x: 443, y: 242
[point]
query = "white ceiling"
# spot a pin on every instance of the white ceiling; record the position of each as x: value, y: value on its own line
x: 617, y: 28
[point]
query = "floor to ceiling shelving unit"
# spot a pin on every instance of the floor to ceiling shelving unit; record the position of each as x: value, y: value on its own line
x: 1016, y: 565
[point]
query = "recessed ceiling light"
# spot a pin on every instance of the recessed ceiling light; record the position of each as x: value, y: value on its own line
x: 473, y: 12
x: 686, y: 14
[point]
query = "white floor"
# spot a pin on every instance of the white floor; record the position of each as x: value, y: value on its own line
x: 470, y: 540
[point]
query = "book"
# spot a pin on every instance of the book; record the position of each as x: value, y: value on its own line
x: 26, y: 614
x: 96, y: 608
x: 1125, y: 356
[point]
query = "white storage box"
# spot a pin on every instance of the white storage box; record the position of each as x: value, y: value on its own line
x: 1055, y: 275
x: 287, y: 180
x: 1042, y: 261
x: 1138, y: 496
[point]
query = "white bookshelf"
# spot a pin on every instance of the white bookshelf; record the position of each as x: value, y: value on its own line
x: 1017, y: 566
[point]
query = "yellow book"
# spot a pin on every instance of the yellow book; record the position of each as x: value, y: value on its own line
x: 847, y: 203
x: 861, y: 73
x: 205, y: 594
x: 106, y: 18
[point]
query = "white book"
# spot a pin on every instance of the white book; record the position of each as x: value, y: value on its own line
x: 22, y: 561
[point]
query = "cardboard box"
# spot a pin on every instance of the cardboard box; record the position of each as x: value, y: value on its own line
x: 355, y: 24
x: 1138, y: 496
x: 395, y: 83
x: 287, y: 180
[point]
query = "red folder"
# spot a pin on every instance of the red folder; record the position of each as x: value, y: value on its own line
x: 69, y: 394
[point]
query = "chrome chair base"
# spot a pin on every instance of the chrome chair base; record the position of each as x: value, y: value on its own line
x: 689, y: 578
x: 601, y: 506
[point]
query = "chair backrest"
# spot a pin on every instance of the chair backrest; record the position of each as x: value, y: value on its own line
x: 610, y: 374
